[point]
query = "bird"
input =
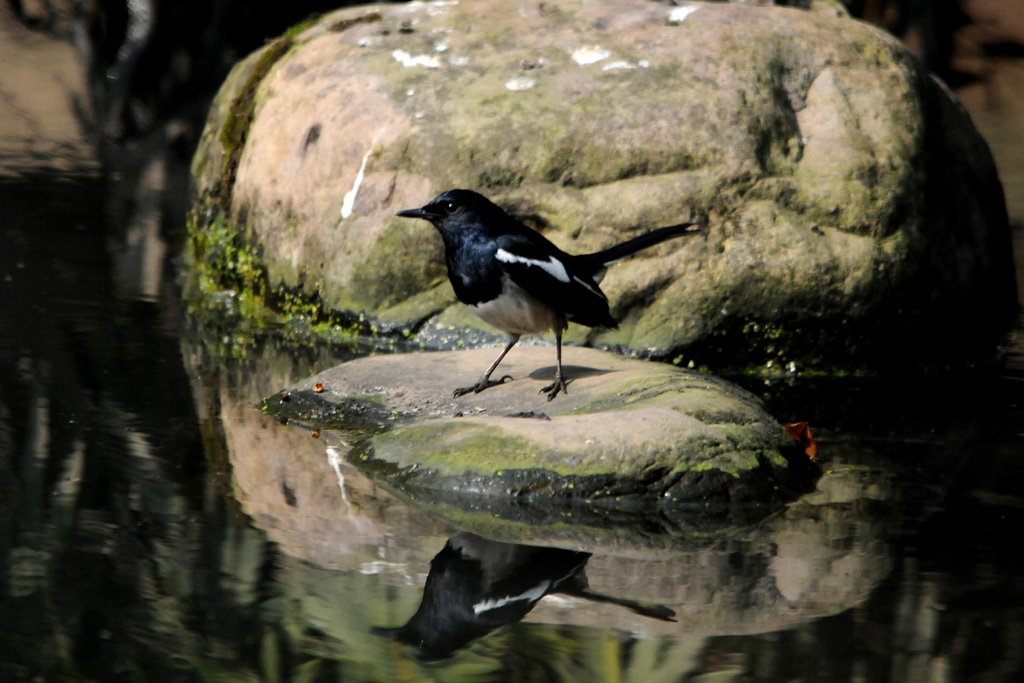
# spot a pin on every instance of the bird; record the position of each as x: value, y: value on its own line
x: 517, y: 280
x: 476, y: 585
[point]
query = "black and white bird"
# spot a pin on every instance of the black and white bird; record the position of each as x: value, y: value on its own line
x: 516, y: 280
x: 476, y: 585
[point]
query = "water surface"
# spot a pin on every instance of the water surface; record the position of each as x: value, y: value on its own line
x: 155, y: 526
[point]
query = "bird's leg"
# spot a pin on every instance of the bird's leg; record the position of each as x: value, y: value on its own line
x: 485, y: 382
x: 559, y: 384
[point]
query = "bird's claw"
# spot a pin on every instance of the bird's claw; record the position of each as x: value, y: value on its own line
x: 483, y: 383
x: 557, y: 386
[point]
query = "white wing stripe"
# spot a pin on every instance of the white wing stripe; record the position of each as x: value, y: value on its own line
x: 552, y: 266
x: 589, y: 285
x: 534, y: 594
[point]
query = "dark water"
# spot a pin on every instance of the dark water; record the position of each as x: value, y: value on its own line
x: 154, y: 526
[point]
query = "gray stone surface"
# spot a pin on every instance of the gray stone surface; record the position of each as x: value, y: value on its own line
x: 628, y: 433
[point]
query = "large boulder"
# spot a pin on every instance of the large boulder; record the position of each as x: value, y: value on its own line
x: 855, y: 214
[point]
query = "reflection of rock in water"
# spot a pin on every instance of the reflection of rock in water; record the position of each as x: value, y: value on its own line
x: 819, y: 559
x: 312, y: 503
x: 476, y: 585
x: 808, y: 576
x: 819, y: 556
x: 824, y: 554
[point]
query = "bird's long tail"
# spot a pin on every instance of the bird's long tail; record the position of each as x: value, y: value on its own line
x: 602, y: 259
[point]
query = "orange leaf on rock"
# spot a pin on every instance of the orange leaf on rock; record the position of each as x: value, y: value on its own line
x: 801, y: 433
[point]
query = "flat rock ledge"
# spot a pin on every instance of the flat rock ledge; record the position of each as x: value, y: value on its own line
x: 629, y: 435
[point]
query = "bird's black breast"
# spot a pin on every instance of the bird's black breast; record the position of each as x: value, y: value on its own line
x: 473, y: 271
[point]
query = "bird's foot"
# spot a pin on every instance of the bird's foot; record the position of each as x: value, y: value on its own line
x: 483, y: 383
x: 557, y: 386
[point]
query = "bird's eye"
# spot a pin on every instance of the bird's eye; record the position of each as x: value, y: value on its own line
x: 449, y: 207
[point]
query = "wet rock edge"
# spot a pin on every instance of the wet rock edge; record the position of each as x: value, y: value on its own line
x: 701, y: 501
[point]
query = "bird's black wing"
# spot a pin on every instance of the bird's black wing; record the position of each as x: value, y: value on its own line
x: 552, y: 277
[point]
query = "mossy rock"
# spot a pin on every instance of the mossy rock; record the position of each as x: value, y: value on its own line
x: 629, y: 435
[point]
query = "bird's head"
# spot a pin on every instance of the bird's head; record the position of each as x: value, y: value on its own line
x: 452, y: 210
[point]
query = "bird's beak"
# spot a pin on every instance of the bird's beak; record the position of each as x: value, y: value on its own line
x: 415, y: 213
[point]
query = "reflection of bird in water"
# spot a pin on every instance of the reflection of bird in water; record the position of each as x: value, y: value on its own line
x: 476, y: 585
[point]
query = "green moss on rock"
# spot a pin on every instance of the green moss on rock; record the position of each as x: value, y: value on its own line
x: 454, y: 448
x: 228, y: 284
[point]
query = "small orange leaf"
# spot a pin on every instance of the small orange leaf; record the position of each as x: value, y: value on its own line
x: 801, y: 433
x: 318, y: 387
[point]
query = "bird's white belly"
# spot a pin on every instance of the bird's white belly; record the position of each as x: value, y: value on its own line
x: 517, y: 312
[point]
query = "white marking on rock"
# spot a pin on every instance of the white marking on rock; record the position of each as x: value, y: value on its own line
x: 350, y: 197
x: 439, y: 7
x: 433, y: 8
x: 590, y: 54
x: 520, y: 83
x: 623, y: 64
x: 415, y: 5
x: 334, y: 459
x: 619, y: 64
x: 552, y: 266
x: 381, y: 567
x: 458, y: 60
x: 408, y: 61
x: 679, y: 14
x: 440, y: 47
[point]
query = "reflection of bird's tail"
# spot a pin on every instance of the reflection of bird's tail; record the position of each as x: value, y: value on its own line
x: 602, y: 259
x: 644, y: 609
